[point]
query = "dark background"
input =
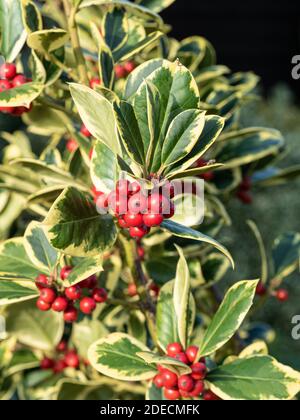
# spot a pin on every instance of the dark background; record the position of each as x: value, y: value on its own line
x: 258, y: 35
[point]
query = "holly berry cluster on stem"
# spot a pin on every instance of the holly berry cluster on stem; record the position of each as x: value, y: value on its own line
x: 282, y: 295
x: 82, y: 297
x: 123, y: 70
x: 64, y: 358
x: 185, y: 386
x: 9, y: 79
x: 136, y: 209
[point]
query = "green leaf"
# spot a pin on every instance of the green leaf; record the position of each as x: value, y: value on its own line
x: 97, y: 114
x: 33, y: 328
x: 232, y: 312
x: 249, y: 145
x: 75, y: 227
x: 115, y: 28
x: 189, y: 233
x: 286, y: 253
x: 22, y: 95
x: 156, y: 5
x: 32, y: 18
x: 263, y: 254
x: 181, y: 299
x: 106, y: 65
x: 211, y: 131
x: 104, y: 168
x: 12, y: 292
x: 38, y: 249
x: 254, y: 378
x: 182, y: 136
x: 129, y: 131
x: 86, y: 332
x: 134, y: 46
x: 84, y: 268
x: 47, y: 40
x: 165, y: 361
x: 13, y: 34
x: 14, y: 260
x: 116, y: 356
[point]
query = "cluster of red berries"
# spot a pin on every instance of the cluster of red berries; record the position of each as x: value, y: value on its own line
x: 64, y: 358
x: 185, y: 386
x: 72, y: 144
x: 282, y: 295
x: 207, y: 176
x: 123, y: 70
x: 243, y: 193
x: 9, y: 79
x: 86, y: 293
x: 137, y: 210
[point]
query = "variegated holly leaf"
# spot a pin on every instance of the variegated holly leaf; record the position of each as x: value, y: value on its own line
x: 167, y: 323
x: 33, y: 328
x: 97, y: 114
x: 115, y: 28
x: 13, y: 34
x: 22, y: 95
x: 15, y: 262
x: 106, y: 66
x: 116, y: 356
x: 229, y: 317
x: 38, y: 248
x: 254, y: 378
x: 104, y: 168
x: 272, y: 176
x: 156, y: 5
x: 286, y: 254
x: 31, y: 15
x: 86, y: 332
x: 12, y: 291
x: 258, y: 347
x: 74, y: 226
x: 165, y: 361
x: 137, y: 41
x: 189, y: 233
x: 48, y: 40
x: 153, y: 393
x: 84, y: 268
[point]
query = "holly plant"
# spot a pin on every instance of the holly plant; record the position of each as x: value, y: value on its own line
x: 125, y: 149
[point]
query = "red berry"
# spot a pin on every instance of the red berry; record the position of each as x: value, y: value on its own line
x: 47, y: 363
x: 201, y: 163
x: 87, y: 305
x: 5, y: 85
x: 70, y: 314
x: 173, y: 349
x: 122, y: 223
x: 43, y: 306
x: 210, y: 396
x: 60, y: 304
x: 138, y: 232
x: 42, y: 281
x: 208, y: 176
x: 95, y: 82
x: 48, y: 295
x: 246, y: 184
x: 65, y: 272
x: 89, y: 283
x: 141, y: 252
x: 171, y: 394
x: 19, y: 80
x: 100, y: 295
x: 129, y: 66
x: 62, y: 346
x: 181, y: 357
x: 198, y: 371
x: 155, y: 289
x: 84, y: 131
x: 191, y: 353
x: 244, y: 197
x: 198, y: 389
x: 122, y: 187
x: 8, y: 71
x: 282, y: 295
x: 159, y: 204
x: 95, y: 192
x: 158, y: 381
x: 170, y: 379
x: 117, y: 203
x: 133, y: 220
x: 261, y: 289
x: 59, y: 366
x: 72, y: 145
x: 7, y: 109
x: 132, y: 289
x: 152, y: 220
x: 73, y: 292
x: 185, y: 383
x: 137, y: 203
x: 134, y: 188
x: 72, y: 360
x: 120, y: 71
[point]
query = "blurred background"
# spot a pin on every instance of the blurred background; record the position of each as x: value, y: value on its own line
x: 261, y: 36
